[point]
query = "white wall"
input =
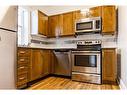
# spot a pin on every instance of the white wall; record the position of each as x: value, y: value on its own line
x: 122, y: 43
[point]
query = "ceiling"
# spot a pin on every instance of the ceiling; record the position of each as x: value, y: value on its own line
x: 52, y: 10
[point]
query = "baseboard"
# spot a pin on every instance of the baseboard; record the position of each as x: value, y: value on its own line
x: 122, y: 85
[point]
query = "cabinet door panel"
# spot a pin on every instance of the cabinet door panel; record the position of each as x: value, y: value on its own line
x: 68, y: 26
x: 108, y: 19
x: 95, y: 11
x: 54, y: 26
x: 42, y: 23
x: 46, y: 60
x: 36, y: 64
x: 109, y: 65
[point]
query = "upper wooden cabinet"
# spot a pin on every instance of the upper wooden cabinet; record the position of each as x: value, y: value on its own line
x: 42, y: 23
x: 61, y: 25
x: 108, y: 65
x: 108, y: 19
x: 108, y: 14
x: 54, y: 26
x: 39, y: 23
x: 95, y: 11
x: 67, y: 24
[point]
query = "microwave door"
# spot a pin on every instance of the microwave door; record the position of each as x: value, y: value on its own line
x: 84, y: 26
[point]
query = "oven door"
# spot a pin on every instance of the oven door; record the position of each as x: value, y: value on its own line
x: 86, y: 62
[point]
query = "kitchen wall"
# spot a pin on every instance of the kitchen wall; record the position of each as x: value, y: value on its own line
x: 122, y: 44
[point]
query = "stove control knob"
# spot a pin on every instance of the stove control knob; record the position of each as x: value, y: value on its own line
x: 79, y: 42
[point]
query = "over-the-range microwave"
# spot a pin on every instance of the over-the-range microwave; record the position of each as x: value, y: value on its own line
x: 88, y: 25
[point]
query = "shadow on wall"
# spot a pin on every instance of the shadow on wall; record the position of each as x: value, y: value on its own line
x: 119, y: 65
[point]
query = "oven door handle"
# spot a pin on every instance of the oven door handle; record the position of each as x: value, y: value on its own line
x: 85, y: 51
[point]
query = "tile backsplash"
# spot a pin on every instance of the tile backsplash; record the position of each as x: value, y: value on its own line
x: 107, y: 40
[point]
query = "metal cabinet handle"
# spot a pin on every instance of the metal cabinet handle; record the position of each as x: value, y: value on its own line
x: 22, y: 67
x: 22, y: 52
x: 21, y: 78
x: 22, y: 60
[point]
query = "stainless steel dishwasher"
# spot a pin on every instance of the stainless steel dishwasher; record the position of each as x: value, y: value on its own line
x: 62, y: 65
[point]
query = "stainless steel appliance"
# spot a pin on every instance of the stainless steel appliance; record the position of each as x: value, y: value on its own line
x: 63, y: 62
x: 8, y: 35
x: 88, y: 25
x: 86, y: 62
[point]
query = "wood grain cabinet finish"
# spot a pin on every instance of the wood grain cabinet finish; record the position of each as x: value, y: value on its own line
x: 109, y: 65
x: 108, y: 19
x: 46, y: 62
x: 36, y: 67
x: 40, y: 64
x: 108, y: 14
x: 67, y: 24
x: 42, y: 23
x: 54, y: 26
x: 23, y: 64
x: 61, y: 25
x: 95, y: 11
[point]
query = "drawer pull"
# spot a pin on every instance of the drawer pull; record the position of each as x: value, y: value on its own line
x: 22, y: 52
x: 21, y: 78
x: 21, y: 67
x: 22, y: 60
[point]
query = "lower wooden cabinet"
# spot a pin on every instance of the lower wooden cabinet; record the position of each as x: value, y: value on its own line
x: 36, y: 67
x: 109, y: 65
x: 32, y: 64
x: 46, y: 62
x: 23, y: 64
x: 40, y: 64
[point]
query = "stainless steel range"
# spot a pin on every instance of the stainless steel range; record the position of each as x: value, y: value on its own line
x: 86, y: 61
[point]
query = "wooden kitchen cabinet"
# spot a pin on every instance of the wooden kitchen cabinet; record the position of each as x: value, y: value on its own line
x: 61, y: 25
x: 23, y: 64
x: 67, y: 24
x: 109, y: 65
x: 95, y: 11
x: 54, y: 26
x: 46, y: 62
x: 39, y: 23
x: 42, y: 23
x: 108, y: 19
x: 36, y: 68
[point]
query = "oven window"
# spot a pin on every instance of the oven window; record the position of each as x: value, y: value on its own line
x: 86, y: 60
x: 84, y: 26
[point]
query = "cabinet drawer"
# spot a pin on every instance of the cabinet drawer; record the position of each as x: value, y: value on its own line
x: 23, y: 52
x: 23, y: 60
x: 22, y: 69
x: 22, y: 79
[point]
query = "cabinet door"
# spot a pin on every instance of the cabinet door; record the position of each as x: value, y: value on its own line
x: 95, y: 11
x: 54, y: 26
x: 36, y: 64
x: 109, y: 65
x: 68, y: 24
x: 108, y: 19
x: 42, y: 23
x: 46, y: 60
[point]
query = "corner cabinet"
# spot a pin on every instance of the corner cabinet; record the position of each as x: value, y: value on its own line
x: 39, y: 23
x: 109, y: 19
x: 109, y: 65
